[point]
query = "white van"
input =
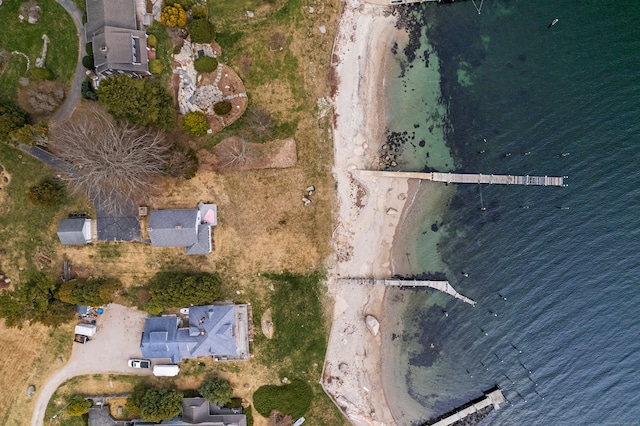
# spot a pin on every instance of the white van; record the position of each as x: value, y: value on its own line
x: 167, y: 370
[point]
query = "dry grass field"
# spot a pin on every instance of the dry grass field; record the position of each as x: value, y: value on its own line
x: 30, y: 355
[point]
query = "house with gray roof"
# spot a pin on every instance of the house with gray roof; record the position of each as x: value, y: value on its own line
x: 119, y: 44
x: 219, y: 331
x: 75, y: 231
x: 195, y: 411
x: 188, y: 228
x: 198, y: 411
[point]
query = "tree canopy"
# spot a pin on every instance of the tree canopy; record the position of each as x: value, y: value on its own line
x: 174, y: 289
x: 111, y: 163
x: 160, y: 404
x: 217, y: 391
x: 92, y: 292
x: 12, y: 117
x: 141, y: 102
x: 33, y: 300
x: 78, y: 407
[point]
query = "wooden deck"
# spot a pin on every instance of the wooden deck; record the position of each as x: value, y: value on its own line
x: 443, y: 286
x: 492, y: 397
x: 470, y: 178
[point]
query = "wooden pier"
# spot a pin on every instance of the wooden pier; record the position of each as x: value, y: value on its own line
x: 443, y: 286
x: 492, y: 397
x: 470, y: 178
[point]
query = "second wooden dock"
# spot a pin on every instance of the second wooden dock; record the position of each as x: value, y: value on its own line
x: 443, y: 286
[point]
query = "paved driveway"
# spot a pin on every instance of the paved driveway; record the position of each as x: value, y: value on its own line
x: 117, y: 339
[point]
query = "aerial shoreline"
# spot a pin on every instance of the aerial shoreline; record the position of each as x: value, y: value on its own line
x: 365, y: 374
x: 368, y: 213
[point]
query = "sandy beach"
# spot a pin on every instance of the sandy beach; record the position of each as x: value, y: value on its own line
x: 364, y: 376
x: 368, y: 213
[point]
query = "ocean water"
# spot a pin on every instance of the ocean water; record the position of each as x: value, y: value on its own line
x: 521, y: 98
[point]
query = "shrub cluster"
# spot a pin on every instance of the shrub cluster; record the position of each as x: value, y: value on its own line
x: 175, y: 289
x: 293, y: 399
x: 30, y: 134
x: 205, y: 64
x: 49, y: 192
x: 88, y: 92
x: 12, y: 117
x: 143, y: 102
x: 152, y: 40
x: 183, y: 163
x: 41, y: 74
x: 88, y: 62
x: 195, y: 123
x: 199, y: 11
x: 217, y: 391
x: 201, y: 31
x: 174, y: 16
x: 222, y: 108
x: 92, y: 292
x: 155, y: 66
x: 79, y: 406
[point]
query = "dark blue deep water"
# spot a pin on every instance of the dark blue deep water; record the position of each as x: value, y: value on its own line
x: 566, y: 259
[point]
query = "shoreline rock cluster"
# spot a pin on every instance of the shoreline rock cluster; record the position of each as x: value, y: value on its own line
x: 392, y: 149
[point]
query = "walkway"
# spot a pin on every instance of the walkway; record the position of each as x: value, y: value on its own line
x: 46, y: 157
x: 470, y: 178
x: 73, y: 94
x: 443, y: 286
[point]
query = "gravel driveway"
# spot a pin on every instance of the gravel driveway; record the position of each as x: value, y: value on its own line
x: 117, y: 339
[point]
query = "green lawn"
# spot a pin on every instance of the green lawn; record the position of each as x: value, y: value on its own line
x: 299, y: 343
x: 246, y: 41
x: 62, y: 51
x: 25, y: 228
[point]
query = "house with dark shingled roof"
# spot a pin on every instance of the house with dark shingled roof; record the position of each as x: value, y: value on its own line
x: 119, y: 44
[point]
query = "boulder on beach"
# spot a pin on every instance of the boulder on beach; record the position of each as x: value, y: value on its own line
x: 372, y: 324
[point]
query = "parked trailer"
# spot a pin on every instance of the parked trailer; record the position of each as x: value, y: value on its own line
x: 86, y: 329
x: 169, y: 370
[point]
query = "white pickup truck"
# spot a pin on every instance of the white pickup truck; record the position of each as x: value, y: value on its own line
x: 139, y: 363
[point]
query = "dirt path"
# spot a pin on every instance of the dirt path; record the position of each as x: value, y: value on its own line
x: 117, y: 339
x: 73, y: 95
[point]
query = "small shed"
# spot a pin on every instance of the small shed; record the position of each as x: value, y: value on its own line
x: 85, y: 329
x: 82, y: 310
x: 75, y: 231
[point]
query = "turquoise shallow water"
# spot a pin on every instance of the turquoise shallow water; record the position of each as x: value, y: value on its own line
x: 571, y: 276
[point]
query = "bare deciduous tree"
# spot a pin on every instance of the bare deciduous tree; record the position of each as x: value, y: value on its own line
x: 233, y: 154
x: 260, y: 121
x: 110, y: 163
